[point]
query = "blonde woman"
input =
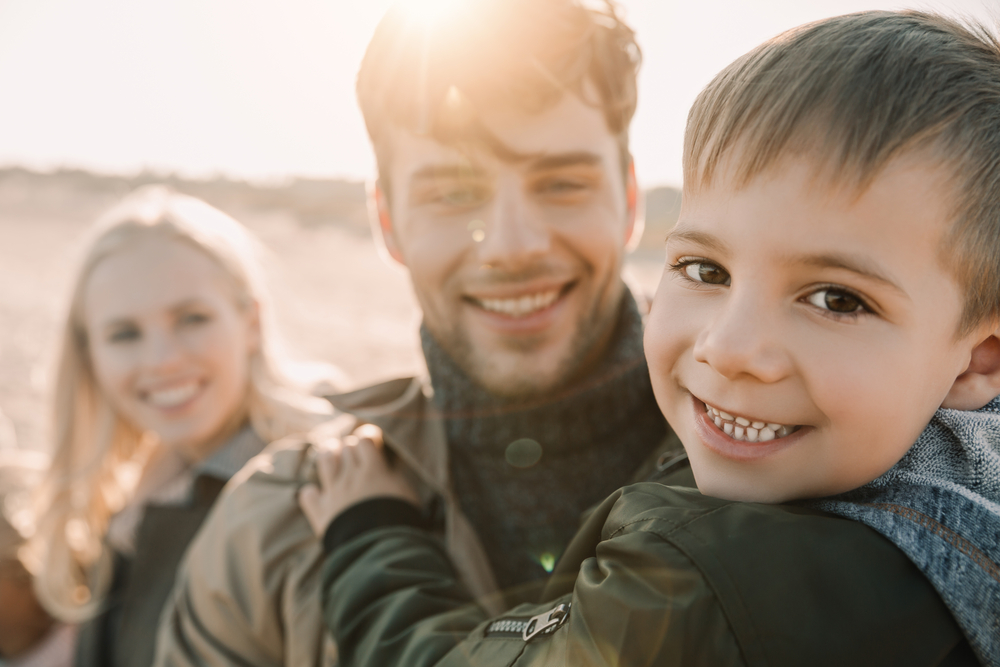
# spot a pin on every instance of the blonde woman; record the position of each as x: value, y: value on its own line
x: 168, y: 381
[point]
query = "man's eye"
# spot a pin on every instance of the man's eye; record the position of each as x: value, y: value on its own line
x: 562, y: 186
x: 706, y: 272
x: 463, y: 196
x: 837, y: 301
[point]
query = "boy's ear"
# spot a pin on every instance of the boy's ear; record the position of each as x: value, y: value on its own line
x: 382, y: 215
x: 980, y: 383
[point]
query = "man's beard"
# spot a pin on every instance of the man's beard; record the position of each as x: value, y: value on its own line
x: 593, y: 331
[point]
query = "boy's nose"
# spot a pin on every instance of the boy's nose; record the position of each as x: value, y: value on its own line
x: 516, y: 234
x: 744, y: 341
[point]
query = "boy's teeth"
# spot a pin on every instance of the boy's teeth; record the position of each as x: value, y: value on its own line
x: 741, y: 428
x: 520, y: 306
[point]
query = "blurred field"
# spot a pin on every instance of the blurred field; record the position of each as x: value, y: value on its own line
x: 335, y: 298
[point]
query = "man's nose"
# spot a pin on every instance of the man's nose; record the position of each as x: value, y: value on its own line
x: 744, y: 340
x: 517, y: 232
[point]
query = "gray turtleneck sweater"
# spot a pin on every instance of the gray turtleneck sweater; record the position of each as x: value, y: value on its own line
x: 524, y: 472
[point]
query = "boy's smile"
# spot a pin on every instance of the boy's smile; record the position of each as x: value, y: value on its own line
x: 803, y: 335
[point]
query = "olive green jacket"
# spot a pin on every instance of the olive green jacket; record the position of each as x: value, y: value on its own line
x: 247, y: 592
x: 660, y: 576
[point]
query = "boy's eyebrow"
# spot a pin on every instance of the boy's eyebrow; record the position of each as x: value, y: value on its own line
x: 858, y: 265
x: 708, y: 241
x: 828, y: 260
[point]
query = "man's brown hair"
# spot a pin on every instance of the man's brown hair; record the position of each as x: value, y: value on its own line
x: 857, y: 91
x: 429, y: 78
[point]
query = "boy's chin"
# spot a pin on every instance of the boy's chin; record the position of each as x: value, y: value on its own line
x: 743, y: 489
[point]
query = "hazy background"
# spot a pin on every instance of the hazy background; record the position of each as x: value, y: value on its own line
x: 250, y: 105
x: 265, y: 88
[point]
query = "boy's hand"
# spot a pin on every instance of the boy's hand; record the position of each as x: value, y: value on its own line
x: 350, y: 471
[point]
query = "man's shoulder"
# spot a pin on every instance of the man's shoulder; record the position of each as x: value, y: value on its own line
x: 383, y: 397
x: 276, y: 474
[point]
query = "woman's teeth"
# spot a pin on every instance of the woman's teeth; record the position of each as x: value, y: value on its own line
x: 171, y: 398
x: 741, y: 428
x: 520, y: 306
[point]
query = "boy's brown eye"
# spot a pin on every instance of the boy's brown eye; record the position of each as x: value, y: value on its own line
x: 704, y: 272
x: 840, y: 302
x: 836, y: 301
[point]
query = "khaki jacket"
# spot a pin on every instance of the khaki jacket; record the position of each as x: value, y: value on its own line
x: 248, y: 591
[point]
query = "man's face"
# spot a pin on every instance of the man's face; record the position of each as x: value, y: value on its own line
x: 515, y: 262
x: 802, y: 337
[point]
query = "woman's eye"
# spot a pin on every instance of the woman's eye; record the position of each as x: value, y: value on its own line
x: 706, y: 272
x: 194, y: 318
x: 123, y: 335
x: 837, y: 301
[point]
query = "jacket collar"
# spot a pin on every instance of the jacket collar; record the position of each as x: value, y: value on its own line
x: 227, y: 460
x: 411, y: 426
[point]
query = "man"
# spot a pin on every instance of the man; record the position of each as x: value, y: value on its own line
x: 507, y: 190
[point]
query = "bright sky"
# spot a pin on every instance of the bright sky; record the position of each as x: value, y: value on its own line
x: 264, y: 89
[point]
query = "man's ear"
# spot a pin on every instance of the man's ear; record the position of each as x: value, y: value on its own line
x: 980, y: 383
x: 382, y: 217
x: 635, y: 209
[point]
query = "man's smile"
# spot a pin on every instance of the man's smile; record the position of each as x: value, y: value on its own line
x: 521, y: 303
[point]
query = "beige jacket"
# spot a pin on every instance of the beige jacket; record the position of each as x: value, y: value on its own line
x: 248, y: 590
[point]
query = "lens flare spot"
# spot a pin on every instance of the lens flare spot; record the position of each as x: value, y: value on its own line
x: 523, y: 453
x: 547, y: 561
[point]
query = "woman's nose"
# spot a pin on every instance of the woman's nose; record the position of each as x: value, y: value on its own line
x: 162, y: 350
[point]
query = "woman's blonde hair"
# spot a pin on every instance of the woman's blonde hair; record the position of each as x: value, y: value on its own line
x: 95, y: 452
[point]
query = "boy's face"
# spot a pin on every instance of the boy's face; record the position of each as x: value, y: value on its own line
x: 515, y: 262
x: 824, y: 319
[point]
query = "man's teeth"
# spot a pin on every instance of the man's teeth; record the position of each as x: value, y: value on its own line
x: 520, y: 306
x: 169, y: 398
x: 741, y: 428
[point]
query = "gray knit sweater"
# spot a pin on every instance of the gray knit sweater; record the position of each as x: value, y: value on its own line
x: 941, y: 506
x: 524, y: 472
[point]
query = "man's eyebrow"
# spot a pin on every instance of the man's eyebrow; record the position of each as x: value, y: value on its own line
x: 855, y: 264
x: 443, y: 171
x: 561, y: 160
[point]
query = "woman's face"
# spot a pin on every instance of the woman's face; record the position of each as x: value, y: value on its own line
x: 169, y: 343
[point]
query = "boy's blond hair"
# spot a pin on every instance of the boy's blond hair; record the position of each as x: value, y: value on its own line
x: 858, y: 91
x: 431, y: 77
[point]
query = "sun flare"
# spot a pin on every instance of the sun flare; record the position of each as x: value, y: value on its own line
x: 429, y: 12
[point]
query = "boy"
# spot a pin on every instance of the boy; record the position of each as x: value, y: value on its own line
x: 831, y: 283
